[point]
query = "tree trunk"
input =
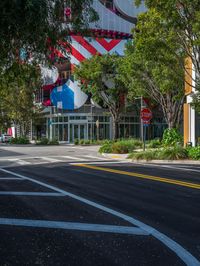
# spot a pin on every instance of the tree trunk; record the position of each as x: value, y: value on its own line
x: 173, y: 111
x: 115, y: 129
x: 115, y: 126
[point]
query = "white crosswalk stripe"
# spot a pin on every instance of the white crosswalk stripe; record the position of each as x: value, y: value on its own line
x: 74, y: 158
x: 52, y: 160
x: 56, y: 159
x: 95, y: 157
x: 19, y: 161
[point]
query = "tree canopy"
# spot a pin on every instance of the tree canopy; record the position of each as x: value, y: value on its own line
x: 35, y: 26
x: 100, y: 77
x: 17, y: 86
x: 183, y: 17
x: 153, y: 65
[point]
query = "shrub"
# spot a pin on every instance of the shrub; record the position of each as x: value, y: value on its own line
x: 20, y: 140
x: 194, y: 153
x: 53, y: 142
x: 120, y: 146
x: 138, y: 143
x: 123, y: 146
x: 81, y: 142
x: 173, y: 153
x: 154, y: 143
x: 106, y: 148
x: 144, y: 155
x: 76, y: 142
x: 171, y: 137
x: 43, y: 141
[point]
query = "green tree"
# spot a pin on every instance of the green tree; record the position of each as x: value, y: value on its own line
x: 36, y: 26
x: 183, y: 17
x: 100, y: 76
x: 153, y: 69
x: 17, y: 86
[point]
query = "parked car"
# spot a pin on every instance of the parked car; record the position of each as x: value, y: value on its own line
x: 6, y: 137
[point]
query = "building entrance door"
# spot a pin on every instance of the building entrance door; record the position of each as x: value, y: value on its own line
x: 77, y: 131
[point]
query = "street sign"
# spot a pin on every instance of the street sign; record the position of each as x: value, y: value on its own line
x: 146, y: 124
x: 146, y: 115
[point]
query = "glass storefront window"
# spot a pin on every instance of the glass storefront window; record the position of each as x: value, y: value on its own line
x: 121, y: 130
x: 60, y: 132
x: 101, y: 131
x: 134, y: 130
x: 55, y: 131
x: 107, y: 119
x: 65, y: 132
x: 134, y: 119
x: 101, y: 119
x: 65, y: 119
x: 126, y: 131
x: 82, y: 132
x: 54, y: 119
x: 76, y: 136
x: 127, y: 119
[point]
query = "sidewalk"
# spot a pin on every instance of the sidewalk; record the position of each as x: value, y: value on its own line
x: 124, y: 158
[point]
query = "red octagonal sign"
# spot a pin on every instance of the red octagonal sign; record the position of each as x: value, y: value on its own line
x: 146, y: 115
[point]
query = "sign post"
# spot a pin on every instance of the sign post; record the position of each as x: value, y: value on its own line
x: 146, y: 116
x: 97, y: 125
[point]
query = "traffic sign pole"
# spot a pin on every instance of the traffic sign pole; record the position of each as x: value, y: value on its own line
x: 144, y: 138
x: 146, y: 116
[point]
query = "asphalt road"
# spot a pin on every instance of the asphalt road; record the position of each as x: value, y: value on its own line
x: 59, y: 209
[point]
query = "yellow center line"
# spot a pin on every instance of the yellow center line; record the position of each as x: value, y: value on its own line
x: 149, y: 177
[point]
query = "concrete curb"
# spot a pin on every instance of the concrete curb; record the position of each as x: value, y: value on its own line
x: 124, y: 157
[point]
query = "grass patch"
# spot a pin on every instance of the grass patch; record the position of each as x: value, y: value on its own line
x: 194, y: 153
x: 45, y: 141
x: 20, y: 140
x: 120, y: 146
x: 171, y: 153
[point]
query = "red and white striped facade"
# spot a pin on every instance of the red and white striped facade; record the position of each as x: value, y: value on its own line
x: 82, y: 48
x: 108, y: 35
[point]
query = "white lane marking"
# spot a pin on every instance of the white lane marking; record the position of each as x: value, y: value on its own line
x: 170, y: 167
x: 52, y: 160
x: 22, y: 162
x: 180, y: 168
x: 82, y: 148
x: 95, y: 157
x: 74, y: 226
x: 108, y: 162
x: 23, y: 193
x: 74, y: 158
x: 180, y: 251
x: 11, y: 178
x: 19, y: 161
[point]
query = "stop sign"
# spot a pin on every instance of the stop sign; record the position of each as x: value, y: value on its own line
x: 146, y: 115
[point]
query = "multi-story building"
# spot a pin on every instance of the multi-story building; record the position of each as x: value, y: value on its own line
x: 70, y: 114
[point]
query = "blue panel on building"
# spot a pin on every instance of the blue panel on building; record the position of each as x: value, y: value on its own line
x: 63, y: 97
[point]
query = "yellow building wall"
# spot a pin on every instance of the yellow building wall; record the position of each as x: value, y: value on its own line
x: 186, y: 108
x: 186, y: 112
